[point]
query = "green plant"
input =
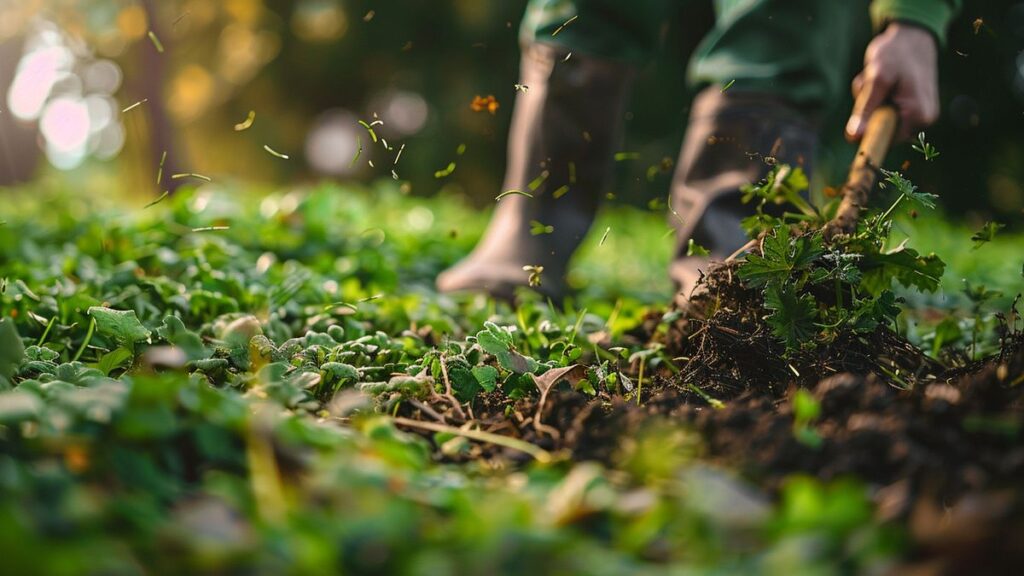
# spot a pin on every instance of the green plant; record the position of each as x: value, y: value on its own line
x: 222, y: 402
x: 927, y: 150
x: 813, y: 290
x: 986, y: 234
x: 806, y: 410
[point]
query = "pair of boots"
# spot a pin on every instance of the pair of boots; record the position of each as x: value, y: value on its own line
x: 565, y: 130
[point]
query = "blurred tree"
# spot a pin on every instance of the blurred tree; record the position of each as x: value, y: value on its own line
x: 312, y: 69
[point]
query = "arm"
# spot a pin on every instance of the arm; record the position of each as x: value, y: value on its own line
x: 900, y: 64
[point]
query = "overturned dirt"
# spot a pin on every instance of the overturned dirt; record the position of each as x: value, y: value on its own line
x: 728, y: 348
x: 941, y: 439
x: 945, y: 459
x: 942, y: 450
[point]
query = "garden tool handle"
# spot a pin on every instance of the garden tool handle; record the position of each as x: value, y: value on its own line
x: 878, y: 136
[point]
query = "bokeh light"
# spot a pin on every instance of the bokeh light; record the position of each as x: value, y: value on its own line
x: 102, y: 76
x: 60, y: 86
x: 331, y: 143
x: 192, y: 91
x: 319, y: 20
x: 39, y: 70
x: 403, y: 112
x: 243, y: 51
x: 65, y: 126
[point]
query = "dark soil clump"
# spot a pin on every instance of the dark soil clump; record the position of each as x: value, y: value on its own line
x: 945, y: 459
x: 933, y: 445
x: 729, y: 349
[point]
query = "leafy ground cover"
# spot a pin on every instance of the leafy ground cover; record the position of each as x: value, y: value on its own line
x: 232, y: 383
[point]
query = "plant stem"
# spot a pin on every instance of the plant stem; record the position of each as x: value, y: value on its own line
x: 804, y: 206
x: 640, y: 380
x: 88, y: 338
x: 46, y: 332
x: 714, y: 402
x: 264, y: 475
x: 888, y: 212
x: 522, y: 326
x: 668, y: 362
x: 576, y: 326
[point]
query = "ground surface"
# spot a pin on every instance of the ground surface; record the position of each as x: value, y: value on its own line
x: 223, y: 383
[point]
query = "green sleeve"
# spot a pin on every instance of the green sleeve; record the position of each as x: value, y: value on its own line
x: 933, y: 15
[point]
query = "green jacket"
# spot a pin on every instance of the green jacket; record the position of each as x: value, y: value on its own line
x: 935, y: 15
x: 802, y: 50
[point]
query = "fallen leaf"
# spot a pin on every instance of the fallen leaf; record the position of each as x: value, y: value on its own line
x: 571, y: 374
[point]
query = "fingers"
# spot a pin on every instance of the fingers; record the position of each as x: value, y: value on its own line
x: 871, y: 89
x: 918, y: 107
x: 908, y: 123
x: 899, y: 67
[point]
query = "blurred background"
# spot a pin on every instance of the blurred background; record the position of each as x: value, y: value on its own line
x: 94, y: 92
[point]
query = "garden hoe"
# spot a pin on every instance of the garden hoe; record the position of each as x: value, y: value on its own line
x: 862, y: 177
x: 864, y: 171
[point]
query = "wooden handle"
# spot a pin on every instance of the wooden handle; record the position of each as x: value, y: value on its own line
x: 878, y: 136
x: 874, y: 146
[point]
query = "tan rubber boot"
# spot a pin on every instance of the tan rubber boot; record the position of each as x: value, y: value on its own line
x: 728, y: 140
x: 564, y: 131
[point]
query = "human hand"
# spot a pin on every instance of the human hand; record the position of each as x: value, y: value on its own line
x: 900, y: 65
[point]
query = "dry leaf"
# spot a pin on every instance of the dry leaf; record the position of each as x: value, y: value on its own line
x: 572, y: 374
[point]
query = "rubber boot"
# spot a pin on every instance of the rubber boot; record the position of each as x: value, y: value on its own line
x: 732, y: 140
x: 565, y: 127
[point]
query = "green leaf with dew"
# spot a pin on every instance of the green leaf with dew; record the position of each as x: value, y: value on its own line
x: 121, y: 326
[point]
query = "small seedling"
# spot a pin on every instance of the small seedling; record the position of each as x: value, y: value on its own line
x: 929, y: 151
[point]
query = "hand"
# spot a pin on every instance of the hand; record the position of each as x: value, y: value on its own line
x: 900, y: 65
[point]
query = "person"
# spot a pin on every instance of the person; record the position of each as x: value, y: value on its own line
x: 784, y: 62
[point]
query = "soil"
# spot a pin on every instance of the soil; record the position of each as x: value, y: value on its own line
x: 942, y: 450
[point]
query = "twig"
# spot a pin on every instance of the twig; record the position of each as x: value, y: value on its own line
x: 640, y: 380
x: 448, y: 391
x: 539, y: 454
x: 426, y: 409
x: 750, y: 244
x: 537, y: 424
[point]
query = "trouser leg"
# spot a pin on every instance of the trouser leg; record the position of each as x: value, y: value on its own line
x: 728, y: 139
x: 564, y: 131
